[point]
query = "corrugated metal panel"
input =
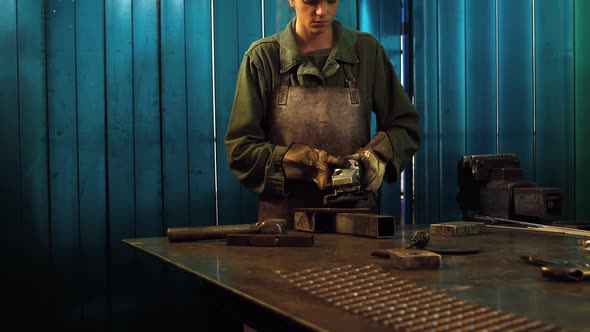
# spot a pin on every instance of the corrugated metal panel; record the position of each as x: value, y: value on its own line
x: 382, y: 19
x: 554, y: 55
x: 582, y: 107
x: 451, y: 75
x: 480, y: 77
x: 515, y: 81
x: 426, y: 174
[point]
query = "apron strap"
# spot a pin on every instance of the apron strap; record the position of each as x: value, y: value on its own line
x: 283, y: 89
x: 351, y: 83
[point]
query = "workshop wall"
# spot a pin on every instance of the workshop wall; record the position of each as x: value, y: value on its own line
x: 113, y: 115
x: 502, y: 76
x: 111, y: 127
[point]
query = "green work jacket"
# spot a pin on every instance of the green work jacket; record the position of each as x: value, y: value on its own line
x: 257, y: 163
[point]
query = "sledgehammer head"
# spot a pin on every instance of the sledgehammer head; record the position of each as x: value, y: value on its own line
x: 270, y: 226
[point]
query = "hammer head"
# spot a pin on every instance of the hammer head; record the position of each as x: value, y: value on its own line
x: 270, y: 226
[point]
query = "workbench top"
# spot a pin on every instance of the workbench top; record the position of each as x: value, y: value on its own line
x: 249, y: 278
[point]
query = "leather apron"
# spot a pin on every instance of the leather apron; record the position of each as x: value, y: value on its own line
x: 327, y: 118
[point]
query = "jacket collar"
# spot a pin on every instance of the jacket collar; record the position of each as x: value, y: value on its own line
x: 342, y: 51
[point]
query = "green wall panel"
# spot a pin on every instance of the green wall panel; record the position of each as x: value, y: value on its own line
x: 451, y: 55
x: 480, y: 77
x: 199, y: 85
x: 33, y: 150
x: 90, y: 99
x: 382, y: 19
x: 515, y: 94
x: 230, y: 44
x: 9, y: 126
x: 147, y: 128
x: 582, y: 107
x: 33, y: 126
x: 250, y: 23
x: 63, y: 158
x: 426, y: 173
x: 174, y: 114
x: 554, y: 92
x: 23, y: 140
x: 347, y: 13
x: 227, y: 59
x: 146, y: 121
x: 276, y: 16
x: 120, y: 161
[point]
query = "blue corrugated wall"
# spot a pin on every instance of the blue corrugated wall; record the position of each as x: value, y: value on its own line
x: 501, y: 76
x: 113, y: 112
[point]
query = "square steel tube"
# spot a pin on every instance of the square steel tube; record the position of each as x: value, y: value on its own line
x: 345, y: 221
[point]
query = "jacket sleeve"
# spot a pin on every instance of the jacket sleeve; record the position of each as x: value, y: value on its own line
x: 254, y: 161
x: 395, y: 115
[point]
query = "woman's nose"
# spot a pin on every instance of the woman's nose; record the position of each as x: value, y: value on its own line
x: 321, y: 8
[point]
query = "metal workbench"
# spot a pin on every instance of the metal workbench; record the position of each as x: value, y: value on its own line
x: 249, y: 282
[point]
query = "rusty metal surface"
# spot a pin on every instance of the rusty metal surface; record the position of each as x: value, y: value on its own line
x: 245, y: 278
x: 270, y: 240
x: 371, y: 293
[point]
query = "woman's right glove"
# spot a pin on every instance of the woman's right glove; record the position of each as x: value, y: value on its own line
x: 304, y: 163
x: 373, y: 159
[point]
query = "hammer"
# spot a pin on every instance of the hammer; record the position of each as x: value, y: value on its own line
x: 268, y: 226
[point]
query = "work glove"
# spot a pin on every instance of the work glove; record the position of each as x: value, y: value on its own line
x: 373, y: 159
x: 304, y: 163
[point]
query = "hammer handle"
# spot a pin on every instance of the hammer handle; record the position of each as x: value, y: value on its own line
x: 178, y: 234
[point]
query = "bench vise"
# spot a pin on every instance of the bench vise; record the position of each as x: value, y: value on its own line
x: 494, y: 186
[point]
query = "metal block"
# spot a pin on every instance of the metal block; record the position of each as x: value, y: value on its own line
x: 457, y: 228
x: 410, y: 259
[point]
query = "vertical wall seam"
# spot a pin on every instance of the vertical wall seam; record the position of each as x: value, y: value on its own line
x: 18, y: 119
x: 438, y: 111
x: 77, y: 131
x: 262, y: 17
x: 216, y: 183
x: 465, y: 77
x: 47, y: 145
x: 108, y: 248
x: 133, y: 119
x: 534, y: 65
x: 574, y: 104
x: 187, y: 118
x: 161, y: 113
x: 497, y: 77
x: 79, y: 253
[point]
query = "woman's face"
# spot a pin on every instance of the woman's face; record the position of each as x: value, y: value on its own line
x: 315, y: 16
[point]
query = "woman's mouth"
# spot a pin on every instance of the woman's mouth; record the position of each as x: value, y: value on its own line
x: 319, y: 23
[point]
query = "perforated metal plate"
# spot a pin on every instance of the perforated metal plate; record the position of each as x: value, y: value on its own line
x: 372, y: 293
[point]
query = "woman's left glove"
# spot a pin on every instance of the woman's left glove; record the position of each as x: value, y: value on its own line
x: 373, y: 159
x: 305, y: 163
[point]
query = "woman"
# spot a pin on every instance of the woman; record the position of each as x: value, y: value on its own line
x: 302, y: 108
